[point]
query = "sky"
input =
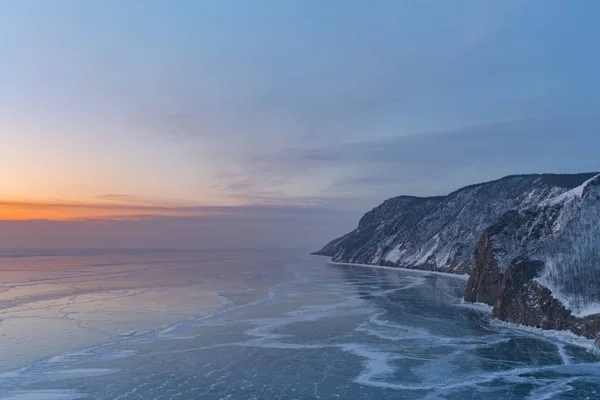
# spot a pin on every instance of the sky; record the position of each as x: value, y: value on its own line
x: 277, y: 123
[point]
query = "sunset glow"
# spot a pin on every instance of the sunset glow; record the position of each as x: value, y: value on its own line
x: 116, y: 110
x: 82, y: 211
x: 299, y: 199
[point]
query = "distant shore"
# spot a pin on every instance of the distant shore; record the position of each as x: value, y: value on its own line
x: 463, y: 277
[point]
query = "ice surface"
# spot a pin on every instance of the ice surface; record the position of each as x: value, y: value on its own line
x: 42, y: 395
x: 328, y: 331
x: 52, y: 304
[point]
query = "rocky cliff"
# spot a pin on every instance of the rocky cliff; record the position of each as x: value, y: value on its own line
x: 540, y: 266
x: 441, y: 233
x: 531, y: 244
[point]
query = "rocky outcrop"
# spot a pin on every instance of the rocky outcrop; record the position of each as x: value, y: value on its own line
x: 522, y: 300
x: 540, y: 266
x: 514, y: 234
x: 484, y: 282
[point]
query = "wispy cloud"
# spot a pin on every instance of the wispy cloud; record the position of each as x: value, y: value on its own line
x: 139, y: 200
x: 427, y: 164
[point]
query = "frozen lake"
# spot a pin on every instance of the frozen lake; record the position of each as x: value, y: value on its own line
x: 263, y: 325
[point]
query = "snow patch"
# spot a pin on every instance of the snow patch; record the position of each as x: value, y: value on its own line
x: 486, y: 308
x: 432, y: 247
x: 571, y: 194
x: 553, y: 279
x: 464, y: 277
x: 588, y: 310
x: 395, y: 254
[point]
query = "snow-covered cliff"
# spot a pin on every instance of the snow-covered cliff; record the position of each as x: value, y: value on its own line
x: 531, y: 244
x: 540, y: 265
x: 441, y: 233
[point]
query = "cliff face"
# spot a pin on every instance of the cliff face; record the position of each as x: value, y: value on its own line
x: 441, y: 233
x: 540, y: 266
x: 531, y: 244
x: 485, y: 281
x: 523, y: 300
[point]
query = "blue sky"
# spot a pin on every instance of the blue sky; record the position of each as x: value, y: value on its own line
x: 314, y: 106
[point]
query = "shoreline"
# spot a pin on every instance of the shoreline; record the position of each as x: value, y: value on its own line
x: 463, y: 277
x: 563, y: 336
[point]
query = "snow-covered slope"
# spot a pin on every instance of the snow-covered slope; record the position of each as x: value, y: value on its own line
x: 441, y: 233
x: 531, y: 244
x: 541, y: 265
x: 572, y: 253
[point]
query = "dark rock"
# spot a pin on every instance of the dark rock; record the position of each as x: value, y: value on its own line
x: 552, y: 243
x: 484, y: 282
x: 524, y: 301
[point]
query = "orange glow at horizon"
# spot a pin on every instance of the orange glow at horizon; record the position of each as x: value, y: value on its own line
x: 22, y: 210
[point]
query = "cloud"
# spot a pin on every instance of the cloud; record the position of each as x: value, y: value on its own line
x: 376, y: 67
x: 142, y: 200
x: 427, y: 164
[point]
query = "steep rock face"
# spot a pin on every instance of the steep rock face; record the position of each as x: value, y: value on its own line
x: 377, y: 228
x: 540, y: 266
x: 484, y: 282
x: 441, y: 233
x: 515, y: 234
x: 522, y: 300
